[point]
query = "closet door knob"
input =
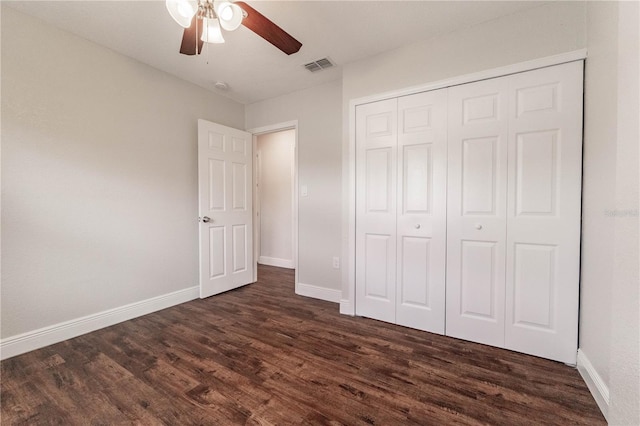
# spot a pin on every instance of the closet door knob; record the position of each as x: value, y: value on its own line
x: 418, y: 226
x: 478, y: 226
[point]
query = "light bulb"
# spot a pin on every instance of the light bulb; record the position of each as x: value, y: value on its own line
x: 182, y: 11
x: 211, y: 32
x: 185, y: 9
x: 230, y: 14
x: 226, y: 13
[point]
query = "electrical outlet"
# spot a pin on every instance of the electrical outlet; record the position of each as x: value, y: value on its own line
x: 336, y: 262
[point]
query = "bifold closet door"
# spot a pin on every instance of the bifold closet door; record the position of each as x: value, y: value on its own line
x: 376, y: 181
x: 422, y: 210
x: 513, y: 219
x: 401, y: 161
x: 476, y: 211
x: 543, y: 215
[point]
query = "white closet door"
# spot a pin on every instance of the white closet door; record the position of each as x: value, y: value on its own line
x: 421, y: 216
x: 376, y: 180
x: 476, y: 222
x: 543, y: 237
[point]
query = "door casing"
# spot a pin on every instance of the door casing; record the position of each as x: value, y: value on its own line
x: 288, y: 125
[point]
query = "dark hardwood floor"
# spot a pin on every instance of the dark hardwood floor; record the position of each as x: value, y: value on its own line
x: 262, y: 355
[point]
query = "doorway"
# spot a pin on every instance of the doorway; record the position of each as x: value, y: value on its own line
x: 275, y: 196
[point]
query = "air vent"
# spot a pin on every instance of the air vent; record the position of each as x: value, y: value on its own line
x: 319, y: 65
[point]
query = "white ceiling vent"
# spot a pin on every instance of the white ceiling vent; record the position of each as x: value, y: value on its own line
x: 319, y: 65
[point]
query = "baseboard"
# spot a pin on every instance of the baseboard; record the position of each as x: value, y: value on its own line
x: 345, y: 307
x: 274, y: 261
x: 322, y: 293
x: 596, y: 385
x: 29, y: 341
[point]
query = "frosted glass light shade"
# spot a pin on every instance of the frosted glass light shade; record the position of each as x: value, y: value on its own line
x: 230, y: 14
x: 182, y: 11
x: 211, y: 32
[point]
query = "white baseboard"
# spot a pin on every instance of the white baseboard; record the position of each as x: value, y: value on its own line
x: 274, y: 261
x: 36, y: 339
x: 322, y: 293
x: 596, y: 385
x: 345, y: 307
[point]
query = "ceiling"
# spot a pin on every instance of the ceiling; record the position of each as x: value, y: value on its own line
x: 345, y: 31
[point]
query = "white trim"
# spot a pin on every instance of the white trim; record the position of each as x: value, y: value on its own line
x: 562, y: 58
x: 257, y: 166
x: 350, y: 297
x: 274, y: 261
x: 294, y: 207
x: 322, y: 293
x: 348, y: 303
x: 596, y: 385
x: 31, y: 340
x: 272, y: 128
x: 286, y: 125
x: 345, y: 307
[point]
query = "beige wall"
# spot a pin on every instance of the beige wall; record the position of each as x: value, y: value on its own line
x: 624, y: 367
x: 99, y: 176
x: 609, y: 297
x: 318, y: 111
x: 599, y: 182
x: 533, y: 33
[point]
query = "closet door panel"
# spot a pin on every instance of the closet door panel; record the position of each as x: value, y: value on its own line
x: 376, y: 181
x: 421, y: 216
x: 544, y: 208
x: 476, y: 211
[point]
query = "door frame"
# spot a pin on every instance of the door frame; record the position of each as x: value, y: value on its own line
x: 348, y: 300
x: 258, y: 131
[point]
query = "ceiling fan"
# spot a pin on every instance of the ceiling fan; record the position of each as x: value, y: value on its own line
x: 204, y: 20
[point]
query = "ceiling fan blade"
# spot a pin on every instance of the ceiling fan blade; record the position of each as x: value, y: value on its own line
x: 190, y: 36
x: 269, y: 31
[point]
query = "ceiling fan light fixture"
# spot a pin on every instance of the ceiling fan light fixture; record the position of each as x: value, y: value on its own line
x: 211, y: 32
x: 182, y: 11
x: 211, y: 16
x: 230, y: 15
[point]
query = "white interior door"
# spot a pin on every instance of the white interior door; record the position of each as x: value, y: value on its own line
x: 421, y: 216
x: 476, y: 213
x: 376, y: 176
x: 225, y: 198
x: 543, y: 230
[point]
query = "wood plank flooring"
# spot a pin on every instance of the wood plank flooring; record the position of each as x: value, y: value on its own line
x: 261, y: 355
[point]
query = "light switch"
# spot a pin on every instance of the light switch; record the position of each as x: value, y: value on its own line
x: 303, y: 190
x: 336, y: 263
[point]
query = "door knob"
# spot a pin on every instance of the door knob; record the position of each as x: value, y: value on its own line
x: 206, y: 219
x: 418, y: 226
